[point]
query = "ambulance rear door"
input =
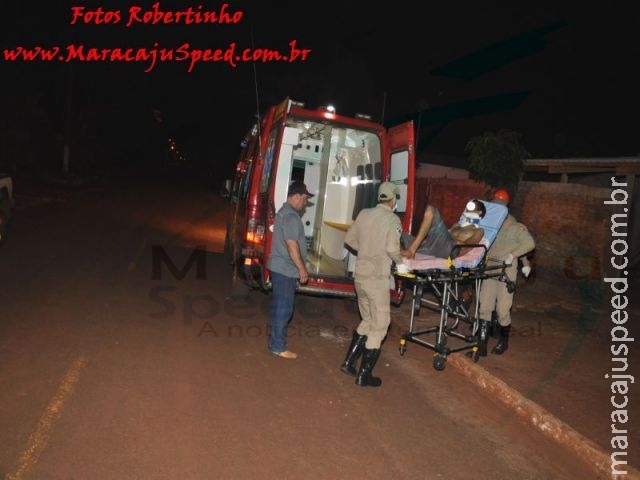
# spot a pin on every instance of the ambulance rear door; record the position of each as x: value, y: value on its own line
x: 402, y: 169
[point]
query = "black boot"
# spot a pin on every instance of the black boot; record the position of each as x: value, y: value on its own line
x: 494, y: 326
x: 369, y: 359
x: 354, y: 352
x: 483, y: 336
x: 503, y: 342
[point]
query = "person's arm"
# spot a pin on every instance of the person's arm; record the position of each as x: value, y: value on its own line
x: 351, y: 238
x: 392, y: 244
x: 423, y: 231
x: 467, y: 234
x: 524, y: 242
x: 296, y: 257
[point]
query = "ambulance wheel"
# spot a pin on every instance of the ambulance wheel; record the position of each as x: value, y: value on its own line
x: 439, y: 362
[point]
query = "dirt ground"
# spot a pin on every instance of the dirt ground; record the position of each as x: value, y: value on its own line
x: 559, y: 355
x: 558, y: 358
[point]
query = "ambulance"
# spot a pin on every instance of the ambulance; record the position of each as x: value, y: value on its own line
x: 342, y: 160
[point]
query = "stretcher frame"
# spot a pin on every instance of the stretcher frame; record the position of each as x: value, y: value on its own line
x: 454, y: 311
x: 445, y: 280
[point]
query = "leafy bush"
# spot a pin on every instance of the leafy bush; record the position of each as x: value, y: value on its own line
x: 497, y: 158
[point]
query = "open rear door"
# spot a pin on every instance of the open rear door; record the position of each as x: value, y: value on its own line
x: 402, y: 169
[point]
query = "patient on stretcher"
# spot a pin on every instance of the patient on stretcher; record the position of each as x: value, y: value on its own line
x: 435, y: 239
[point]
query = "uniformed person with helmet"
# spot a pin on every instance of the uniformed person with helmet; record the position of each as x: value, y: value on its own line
x: 513, y: 241
x: 375, y: 236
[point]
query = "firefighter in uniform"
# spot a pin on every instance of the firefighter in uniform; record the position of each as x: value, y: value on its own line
x: 375, y: 236
x: 513, y: 241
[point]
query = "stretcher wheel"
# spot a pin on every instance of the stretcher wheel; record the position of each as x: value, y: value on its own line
x: 439, y: 362
x: 475, y: 354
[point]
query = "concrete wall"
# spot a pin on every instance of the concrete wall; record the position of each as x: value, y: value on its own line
x: 571, y: 225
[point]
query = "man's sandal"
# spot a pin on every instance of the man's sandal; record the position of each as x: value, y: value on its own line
x: 286, y: 354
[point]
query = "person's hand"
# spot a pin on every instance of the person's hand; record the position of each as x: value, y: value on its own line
x: 304, y: 276
x: 408, y: 253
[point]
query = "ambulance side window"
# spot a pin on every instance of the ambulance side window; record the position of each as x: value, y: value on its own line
x: 246, y: 182
x: 250, y: 159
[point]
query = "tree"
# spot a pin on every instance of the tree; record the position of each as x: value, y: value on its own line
x: 497, y: 158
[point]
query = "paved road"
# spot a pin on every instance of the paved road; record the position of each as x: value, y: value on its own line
x: 109, y: 370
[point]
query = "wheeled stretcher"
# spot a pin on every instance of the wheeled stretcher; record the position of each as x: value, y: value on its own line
x: 451, y: 286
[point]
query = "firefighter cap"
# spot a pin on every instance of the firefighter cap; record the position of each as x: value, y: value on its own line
x: 387, y: 191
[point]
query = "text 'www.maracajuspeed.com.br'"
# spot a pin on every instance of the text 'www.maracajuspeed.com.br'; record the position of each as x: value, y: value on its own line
x: 150, y: 57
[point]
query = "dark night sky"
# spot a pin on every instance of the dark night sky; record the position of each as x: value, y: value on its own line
x: 572, y: 70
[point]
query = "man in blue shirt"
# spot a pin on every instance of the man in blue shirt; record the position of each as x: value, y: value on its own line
x: 287, y: 265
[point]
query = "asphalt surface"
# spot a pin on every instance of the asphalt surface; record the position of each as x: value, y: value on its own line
x: 555, y: 373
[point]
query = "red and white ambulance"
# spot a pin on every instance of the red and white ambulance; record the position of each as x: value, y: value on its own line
x: 342, y: 160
